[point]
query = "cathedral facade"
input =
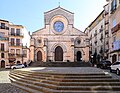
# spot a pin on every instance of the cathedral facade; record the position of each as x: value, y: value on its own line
x: 59, y: 40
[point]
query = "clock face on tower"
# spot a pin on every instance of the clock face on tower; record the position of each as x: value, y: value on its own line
x: 58, y: 26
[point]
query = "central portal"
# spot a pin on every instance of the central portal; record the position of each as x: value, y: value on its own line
x: 58, y: 54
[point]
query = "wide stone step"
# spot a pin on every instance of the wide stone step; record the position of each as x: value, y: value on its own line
x: 71, y: 85
x: 32, y: 80
x: 71, y: 88
x: 57, y: 74
x: 64, y: 76
x: 82, y: 83
x: 68, y: 80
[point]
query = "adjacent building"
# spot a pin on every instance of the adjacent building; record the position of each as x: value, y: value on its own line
x: 96, y: 34
x: 114, y: 13
x: 11, y: 45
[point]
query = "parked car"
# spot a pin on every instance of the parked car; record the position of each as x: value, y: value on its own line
x: 115, y: 67
x: 7, y: 66
x: 17, y: 66
x: 104, y: 64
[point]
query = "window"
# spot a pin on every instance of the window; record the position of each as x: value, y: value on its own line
x: 114, y: 23
x: 12, y: 51
x: 2, y: 47
x: 12, y: 41
x: 2, y: 55
x: 2, y: 25
x: 114, y: 39
x: 18, y: 32
x: 2, y: 34
x: 18, y: 42
x: 25, y: 53
x: 39, y: 41
x: 12, y: 31
x: 78, y: 41
x: 17, y: 51
x: 113, y: 5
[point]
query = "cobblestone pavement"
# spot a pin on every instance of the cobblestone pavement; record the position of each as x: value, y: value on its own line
x: 5, y: 84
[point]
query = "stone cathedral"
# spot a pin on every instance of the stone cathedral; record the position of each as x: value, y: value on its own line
x: 59, y: 40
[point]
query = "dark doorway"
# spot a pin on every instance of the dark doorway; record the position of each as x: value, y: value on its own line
x: 18, y: 62
x: 79, y: 56
x: 2, y: 64
x: 114, y: 58
x: 58, y: 54
x: 39, y: 56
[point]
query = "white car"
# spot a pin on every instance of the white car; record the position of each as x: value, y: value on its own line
x: 7, y: 66
x: 17, y: 66
x: 115, y: 67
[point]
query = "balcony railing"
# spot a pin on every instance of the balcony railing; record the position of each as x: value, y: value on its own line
x: 15, y: 44
x: 106, y: 12
x: 4, y: 27
x: 106, y: 22
x: 3, y: 39
x: 101, y: 29
x: 101, y: 51
x: 101, y: 38
x: 116, y: 28
x: 16, y: 34
x: 11, y: 55
x: 95, y: 41
x: 106, y: 32
x: 95, y: 34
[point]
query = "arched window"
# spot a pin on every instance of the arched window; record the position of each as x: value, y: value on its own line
x: 2, y: 55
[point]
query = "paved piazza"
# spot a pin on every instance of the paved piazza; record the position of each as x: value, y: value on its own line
x: 64, y: 70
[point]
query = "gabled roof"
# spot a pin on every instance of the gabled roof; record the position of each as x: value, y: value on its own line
x: 58, y: 8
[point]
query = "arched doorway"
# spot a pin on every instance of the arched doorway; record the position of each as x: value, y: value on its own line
x: 58, y: 54
x: 114, y: 58
x: 2, y: 64
x: 39, y: 56
x: 79, y: 56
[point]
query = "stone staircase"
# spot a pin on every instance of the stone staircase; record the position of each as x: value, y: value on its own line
x: 50, y: 82
x: 60, y: 64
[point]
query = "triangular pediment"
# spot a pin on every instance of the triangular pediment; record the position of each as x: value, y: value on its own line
x: 58, y: 9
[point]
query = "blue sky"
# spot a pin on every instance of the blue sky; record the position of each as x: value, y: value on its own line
x: 30, y: 13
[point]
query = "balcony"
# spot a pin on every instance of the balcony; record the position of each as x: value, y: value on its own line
x: 95, y: 42
x: 116, y: 28
x: 106, y: 12
x: 101, y: 51
x: 100, y: 30
x: 106, y: 32
x: 106, y: 48
x: 106, y: 22
x: 18, y: 55
x: 101, y: 38
x: 107, y: 42
x: 11, y: 55
x: 16, y: 34
x: 4, y: 27
x: 3, y: 39
x: 95, y: 34
x: 15, y: 44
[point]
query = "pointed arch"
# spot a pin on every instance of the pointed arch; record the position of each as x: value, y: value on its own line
x: 58, y: 44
